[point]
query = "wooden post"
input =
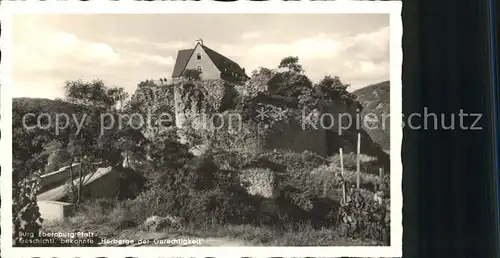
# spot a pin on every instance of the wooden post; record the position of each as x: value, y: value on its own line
x: 342, y: 173
x: 325, y: 186
x: 381, y: 176
x: 358, y: 162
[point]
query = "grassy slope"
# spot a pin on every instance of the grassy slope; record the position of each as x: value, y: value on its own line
x: 109, y: 224
x: 375, y: 99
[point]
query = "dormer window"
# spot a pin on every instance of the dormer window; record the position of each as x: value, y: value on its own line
x: 198, y: 56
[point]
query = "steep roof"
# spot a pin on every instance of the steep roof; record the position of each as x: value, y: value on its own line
x: 181, y: 61
x: 221, y: 62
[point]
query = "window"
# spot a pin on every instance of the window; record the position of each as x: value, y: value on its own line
x: 198, y: 56
x: 198, y: 68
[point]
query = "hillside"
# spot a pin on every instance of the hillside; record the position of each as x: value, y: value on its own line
x: 42, y: 105
x: 375, y: 99
x: 22, y: 106
x: 36, y: 138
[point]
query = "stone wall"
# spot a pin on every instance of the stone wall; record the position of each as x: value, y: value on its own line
x: 209, y: 96
x: 195, y: 102
x: 291, y: 136
x: 54, y: 210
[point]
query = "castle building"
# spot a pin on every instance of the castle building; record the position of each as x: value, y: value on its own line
x: 210, y: 63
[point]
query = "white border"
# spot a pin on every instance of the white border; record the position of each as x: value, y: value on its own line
x: 393, y: 8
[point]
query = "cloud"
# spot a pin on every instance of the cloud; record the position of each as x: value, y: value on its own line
x: 359, y: 58
x: 168, y: 45
x: 251, y: 35
x: 372, y: 46
x: 44, y: 58
x: 318, y: 46
x: 154, y: 59
x: 46, y: 54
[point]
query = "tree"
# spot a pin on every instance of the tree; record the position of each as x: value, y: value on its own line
x: 262, y: 71
x: 332, y: 88
x: 191, y: 75
x: 93, y: 93
x: 329, y: 83
x: 290, y: 82
x: 95, y: 143
x: 258, y: 83
x: 117, y: 96
x: 292, y: 64
x: 27, y: 162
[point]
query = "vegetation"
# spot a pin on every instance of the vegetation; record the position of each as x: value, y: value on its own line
x: 204, y: 192
x: 191, y: 74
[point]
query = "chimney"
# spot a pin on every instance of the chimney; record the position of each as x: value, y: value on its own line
x: 200, y: 40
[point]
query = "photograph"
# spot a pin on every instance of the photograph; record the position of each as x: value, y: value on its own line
x: 264, y: 132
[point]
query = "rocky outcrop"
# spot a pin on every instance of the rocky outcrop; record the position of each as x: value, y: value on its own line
x: 157, y: 223
x: 259, y: 181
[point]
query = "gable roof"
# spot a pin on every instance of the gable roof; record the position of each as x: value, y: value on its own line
x: 181, y: 61
x: 222, y: 63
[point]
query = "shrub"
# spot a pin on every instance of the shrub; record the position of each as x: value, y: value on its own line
x: 199, y: 192
x: 192, y: 74
x: 26, y: 215
x: 366, y: 215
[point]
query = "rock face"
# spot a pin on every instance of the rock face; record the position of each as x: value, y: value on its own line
x: 259, y: 181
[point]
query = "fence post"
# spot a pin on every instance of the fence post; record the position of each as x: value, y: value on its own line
x: 358, y: 162
x: 381, y: 176
x: 342, y: 173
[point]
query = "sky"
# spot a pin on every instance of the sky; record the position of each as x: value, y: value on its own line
x: 124, y: 49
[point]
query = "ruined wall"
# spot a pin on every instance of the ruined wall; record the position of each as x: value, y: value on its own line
x: 195, y: 102
x: 291, y: 136
x: 346, y: 136
x: 341, y: 122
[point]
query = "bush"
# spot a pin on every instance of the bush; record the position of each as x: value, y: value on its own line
x: 365, y: 215
x: 26, y: 215
x: 199, y: 192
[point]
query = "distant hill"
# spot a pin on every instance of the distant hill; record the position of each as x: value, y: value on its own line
x: 375, y: 99
x: 37, y: 106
